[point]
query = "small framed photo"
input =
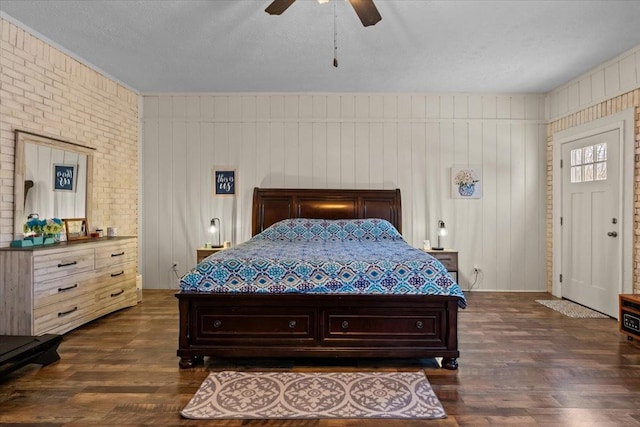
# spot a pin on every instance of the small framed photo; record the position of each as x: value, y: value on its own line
x: 224, y: 182
x: 77, y: 228
x: 64, y: 177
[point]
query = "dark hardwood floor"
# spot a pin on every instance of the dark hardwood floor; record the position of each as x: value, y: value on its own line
x: 522, y: 364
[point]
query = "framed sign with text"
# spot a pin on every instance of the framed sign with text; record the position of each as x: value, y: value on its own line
x: 224, y: 182
x: 64, y: 177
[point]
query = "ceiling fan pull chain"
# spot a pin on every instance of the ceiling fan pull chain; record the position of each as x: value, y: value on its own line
x: 335, y: 35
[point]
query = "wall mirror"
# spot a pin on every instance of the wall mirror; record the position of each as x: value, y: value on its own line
x: 52, y: 178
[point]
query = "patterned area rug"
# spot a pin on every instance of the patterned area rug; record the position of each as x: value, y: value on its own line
x: 291, y: 395
x: 571, y: 309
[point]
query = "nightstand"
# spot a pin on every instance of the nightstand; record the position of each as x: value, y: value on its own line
x: 448, y: 258
x: 202, y: 253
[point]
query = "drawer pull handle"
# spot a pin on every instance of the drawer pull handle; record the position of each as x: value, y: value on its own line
x: 120, y: 254
x: 217, y: 323
x: 64, y: 313
x: 115, y: 294
x: 419, y: 324
x: 292, y: 324
x: 68, y: 288
x: 345, y: 324
x: 67, y: 264
x: 117, y: 274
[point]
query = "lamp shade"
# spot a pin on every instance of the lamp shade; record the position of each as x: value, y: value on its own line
x: 442, y: 231
x: 214, y: 229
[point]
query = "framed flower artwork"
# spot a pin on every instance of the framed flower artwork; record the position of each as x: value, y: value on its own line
x: 466, y: 182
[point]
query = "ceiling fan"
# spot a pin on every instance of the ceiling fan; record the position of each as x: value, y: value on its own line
x: 366, y: 10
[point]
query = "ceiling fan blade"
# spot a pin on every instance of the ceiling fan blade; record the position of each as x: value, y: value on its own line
x: 278, y: 6
x: 367, y: 11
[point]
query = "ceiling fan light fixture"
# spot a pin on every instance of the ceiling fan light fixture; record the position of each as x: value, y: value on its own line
x: 365, y: 9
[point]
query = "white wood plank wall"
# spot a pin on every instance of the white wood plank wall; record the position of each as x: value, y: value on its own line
x: 406, y: 141
x: 615, y: 77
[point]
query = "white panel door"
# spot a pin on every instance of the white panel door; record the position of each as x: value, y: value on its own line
x: 591, y: 251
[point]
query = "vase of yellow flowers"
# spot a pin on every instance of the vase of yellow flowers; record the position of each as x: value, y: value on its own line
x: 52, y: 230
x: 42, y: 231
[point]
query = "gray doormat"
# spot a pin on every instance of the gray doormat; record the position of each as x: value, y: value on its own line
x: 571, y: 309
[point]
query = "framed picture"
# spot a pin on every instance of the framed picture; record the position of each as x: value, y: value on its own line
x: 64, y: 177
x: 466, y: 182
x: 224, y: 182
x: 76, y: 228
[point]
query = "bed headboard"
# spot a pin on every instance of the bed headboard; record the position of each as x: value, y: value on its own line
x: 271, y: 205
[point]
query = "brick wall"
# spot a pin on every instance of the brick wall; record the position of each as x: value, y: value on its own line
x: 603, y: 109
x: 45, y: 91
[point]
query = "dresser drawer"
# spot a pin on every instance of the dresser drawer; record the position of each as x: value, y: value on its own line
x: 115, y: 296
x: 116, y: 253
x: 63, y: 289
x: 49, y: 265
x: 107, y: 276
x: 57, y: 318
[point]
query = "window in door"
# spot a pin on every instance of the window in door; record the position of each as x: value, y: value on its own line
x: 589, y: 163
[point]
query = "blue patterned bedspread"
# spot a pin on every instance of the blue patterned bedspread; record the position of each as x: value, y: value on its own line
x: 365, y: 256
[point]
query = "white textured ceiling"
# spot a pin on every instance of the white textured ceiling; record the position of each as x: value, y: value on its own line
x: 419, y: 46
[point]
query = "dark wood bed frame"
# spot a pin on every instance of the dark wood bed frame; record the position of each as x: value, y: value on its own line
x: 312, y: 325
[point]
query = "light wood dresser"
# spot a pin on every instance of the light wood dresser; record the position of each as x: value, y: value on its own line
x: 53, y: 289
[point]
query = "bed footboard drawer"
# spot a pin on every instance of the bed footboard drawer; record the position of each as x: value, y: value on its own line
x: 391, y: 327
x: 248, y: 327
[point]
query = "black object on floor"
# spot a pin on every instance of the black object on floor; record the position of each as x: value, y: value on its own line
x: 17, y: 351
